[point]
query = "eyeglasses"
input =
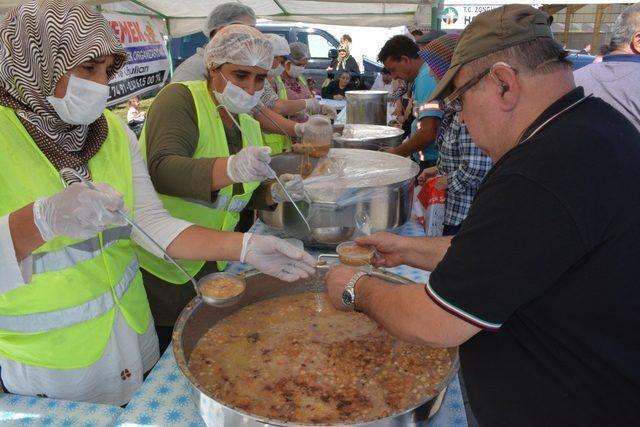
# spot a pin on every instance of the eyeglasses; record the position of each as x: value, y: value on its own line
x: 453, y: 102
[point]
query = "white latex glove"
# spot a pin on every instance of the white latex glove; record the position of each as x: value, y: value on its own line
x: 328, y: 111
x: 293, y: 184
x: 250, y: 164
x: 78, y: 212
x: 312, y: 105
x: 276, y: 257
x: 299, y: 129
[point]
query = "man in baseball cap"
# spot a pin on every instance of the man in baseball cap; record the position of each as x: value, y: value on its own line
x: 539, y: 288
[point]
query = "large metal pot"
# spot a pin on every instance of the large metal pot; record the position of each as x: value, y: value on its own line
x: 367, y: 107
x: 197, y: 318
x: 331, y: 213
x: 368, y: 137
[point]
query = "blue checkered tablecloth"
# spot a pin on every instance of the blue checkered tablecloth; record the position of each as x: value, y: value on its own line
x: 18, y: 410
x: 164, y: 398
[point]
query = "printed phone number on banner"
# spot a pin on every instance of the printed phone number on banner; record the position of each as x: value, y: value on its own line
x: 126, y: 87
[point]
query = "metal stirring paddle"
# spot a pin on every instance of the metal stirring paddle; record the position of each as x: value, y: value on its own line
x: 144, y: 233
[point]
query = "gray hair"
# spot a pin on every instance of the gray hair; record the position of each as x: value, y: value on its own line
x: 626, y: 26
x: 540, y: 56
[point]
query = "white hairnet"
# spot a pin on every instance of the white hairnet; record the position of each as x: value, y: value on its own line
x: 227, y: 14
x: 299, y: 51
x: 239, y: 45
x: 280, y: 45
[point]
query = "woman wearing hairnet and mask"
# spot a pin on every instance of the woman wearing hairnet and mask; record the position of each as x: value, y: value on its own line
x: 292, y: 86
x: 206, y: 158
x: 275, y: 97
x: 194, y: 68
x: 75, y: 323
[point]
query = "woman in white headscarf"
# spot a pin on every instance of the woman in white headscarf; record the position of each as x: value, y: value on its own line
x: 74, y: 318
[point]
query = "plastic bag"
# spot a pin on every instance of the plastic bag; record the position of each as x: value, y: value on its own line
x: 433, y: 202
x: 326, y: 170
x: 352, y: 176
x: 417, y: 210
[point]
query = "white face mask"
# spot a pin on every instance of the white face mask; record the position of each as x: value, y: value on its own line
x: 83, y: 103
x: 235, y: 99
x: 295, y: 70
x: 275, y: 72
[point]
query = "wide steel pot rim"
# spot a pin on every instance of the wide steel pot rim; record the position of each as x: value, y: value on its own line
x: 183, y: 363
x: 366, y: 92
x: 391, y: 132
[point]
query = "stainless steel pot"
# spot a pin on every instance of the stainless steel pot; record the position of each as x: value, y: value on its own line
x: 366, y: 107
x: 197, y: 318
x: 331, y: 213
x: 368, y: 137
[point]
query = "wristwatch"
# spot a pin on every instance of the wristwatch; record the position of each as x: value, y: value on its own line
x: 349, y: 293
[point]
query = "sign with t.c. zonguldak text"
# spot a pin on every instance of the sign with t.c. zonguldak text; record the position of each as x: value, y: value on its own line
x: 148, y: 61
x: 457, y: 17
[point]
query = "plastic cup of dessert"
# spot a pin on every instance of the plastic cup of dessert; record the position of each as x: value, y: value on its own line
x: 353, y: 254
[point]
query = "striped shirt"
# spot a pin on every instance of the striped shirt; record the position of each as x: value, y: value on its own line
x: 464, y: 165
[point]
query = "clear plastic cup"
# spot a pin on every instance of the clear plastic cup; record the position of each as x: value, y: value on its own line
x: 317, y: 137
x: 353, y: 254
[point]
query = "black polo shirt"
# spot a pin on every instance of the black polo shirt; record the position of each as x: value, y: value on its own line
x: 548, y: 264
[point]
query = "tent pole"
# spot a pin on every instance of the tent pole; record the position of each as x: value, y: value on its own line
x: 567, y: 24
x: 568, y: 16
x: 595, y: 40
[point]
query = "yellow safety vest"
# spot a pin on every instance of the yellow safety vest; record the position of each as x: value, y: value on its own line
x: 64, y: 317
x: 222, y: 214
x: 278, y: 143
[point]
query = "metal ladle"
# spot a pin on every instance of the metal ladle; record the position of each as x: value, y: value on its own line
x: 235, y: 122
x: 209, y: 300
x: 286, y: 192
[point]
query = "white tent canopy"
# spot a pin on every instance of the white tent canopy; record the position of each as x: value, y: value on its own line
x: 187, y: 16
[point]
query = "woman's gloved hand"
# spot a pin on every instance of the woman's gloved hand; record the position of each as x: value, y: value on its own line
x: 328, y: 111
x: 312, y: 106
x: 276, y: 257
x: 293, y: 184
x: 78, y: 211
x: 250, y: 164
x: 299, y: 129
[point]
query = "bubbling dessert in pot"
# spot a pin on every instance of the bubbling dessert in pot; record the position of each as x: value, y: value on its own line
x: 281, y: 359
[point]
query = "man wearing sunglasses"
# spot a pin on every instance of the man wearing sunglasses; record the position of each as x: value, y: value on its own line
x: 539, y: 288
